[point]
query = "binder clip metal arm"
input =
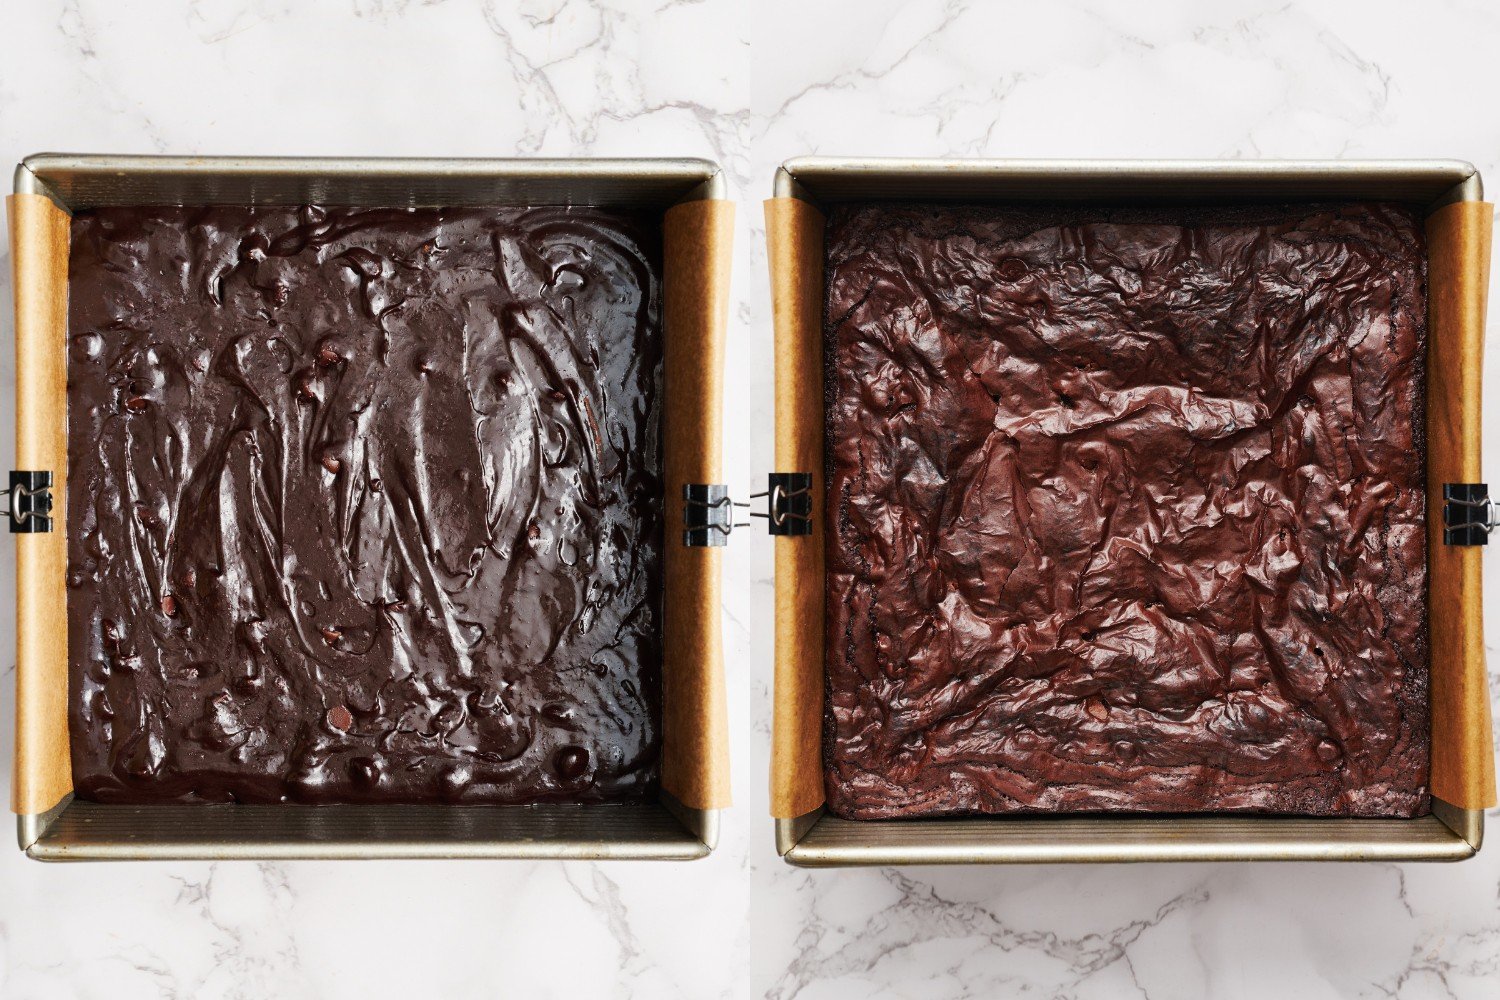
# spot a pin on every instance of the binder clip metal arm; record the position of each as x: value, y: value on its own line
x: 1468, y: 514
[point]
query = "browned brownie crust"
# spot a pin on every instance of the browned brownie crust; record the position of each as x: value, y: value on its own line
x: 1125, y: 510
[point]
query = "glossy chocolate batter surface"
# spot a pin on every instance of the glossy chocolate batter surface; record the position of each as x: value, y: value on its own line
x: 365, y: 505
x: 1125, y: 510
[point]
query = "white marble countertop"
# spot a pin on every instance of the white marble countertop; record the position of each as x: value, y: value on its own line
x: 748, y: 84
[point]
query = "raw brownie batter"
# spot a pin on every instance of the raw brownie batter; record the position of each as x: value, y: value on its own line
x: 1125, y: 510
x: 364, y: 505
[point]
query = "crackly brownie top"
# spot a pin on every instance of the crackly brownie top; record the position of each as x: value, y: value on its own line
x: 1125, y: 510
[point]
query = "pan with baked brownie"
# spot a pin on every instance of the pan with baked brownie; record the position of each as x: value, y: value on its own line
x: 365, y: 468
x: 1126, y: 508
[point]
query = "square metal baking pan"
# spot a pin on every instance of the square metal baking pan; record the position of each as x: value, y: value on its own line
x: 818, y: 839
x: 80, y: 830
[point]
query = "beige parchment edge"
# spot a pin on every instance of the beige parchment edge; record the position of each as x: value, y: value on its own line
x: 794, y: 236
x: 697, y: 243
x: 39, y: 262
x: 1458, y: 268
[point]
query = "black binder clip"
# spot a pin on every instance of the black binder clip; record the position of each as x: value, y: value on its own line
x: 788, y: 503
x: 707, y: 514
x: 1468, y: 517
x: 30, y: 508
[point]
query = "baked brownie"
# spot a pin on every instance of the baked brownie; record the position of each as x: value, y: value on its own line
x: 365, y: 505
x: 1125, y: 510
